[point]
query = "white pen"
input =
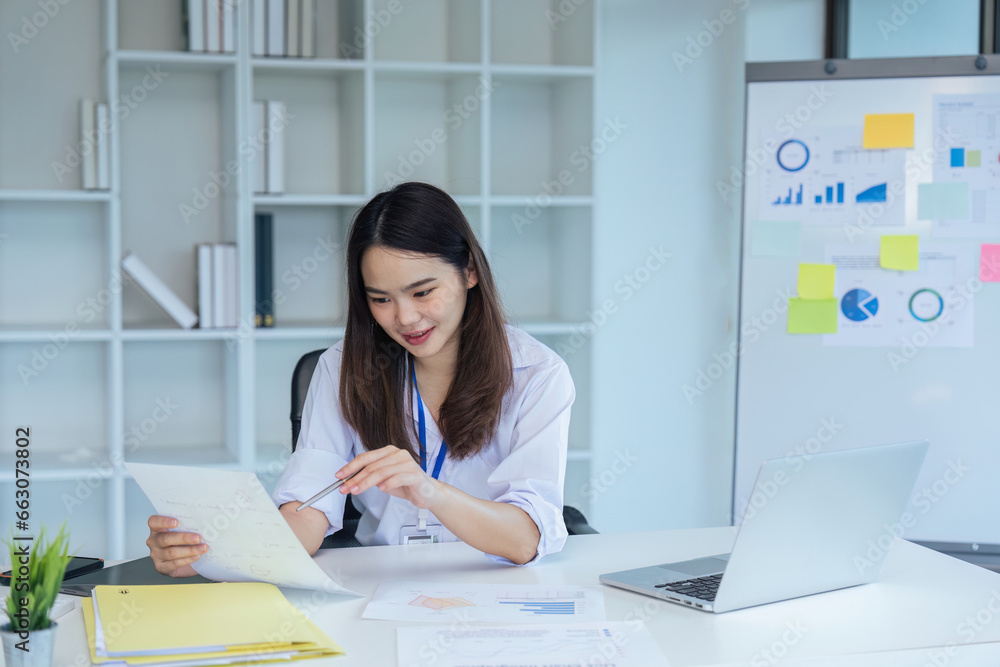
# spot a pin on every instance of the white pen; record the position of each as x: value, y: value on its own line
x: 330, y: 489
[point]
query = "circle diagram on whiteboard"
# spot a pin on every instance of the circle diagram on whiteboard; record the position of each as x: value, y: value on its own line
x: 793, y: 155
x: 858, y: 305
x: 926, y: 305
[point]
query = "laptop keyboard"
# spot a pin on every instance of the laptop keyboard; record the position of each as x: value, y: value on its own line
x: 703, y: 588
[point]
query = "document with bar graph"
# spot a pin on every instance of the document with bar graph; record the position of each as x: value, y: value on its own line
x: 485, y: 603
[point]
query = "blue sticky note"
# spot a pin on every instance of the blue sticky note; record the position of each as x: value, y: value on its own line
x: 943, y: 201
x: 776, y: 238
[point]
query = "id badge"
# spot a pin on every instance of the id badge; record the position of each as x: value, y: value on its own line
x: 412, y: 534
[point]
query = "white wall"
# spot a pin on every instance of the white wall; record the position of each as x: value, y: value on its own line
x: 672, y: 73
x: 902, y: 28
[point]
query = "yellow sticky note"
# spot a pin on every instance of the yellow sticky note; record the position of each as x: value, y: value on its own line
x: 888, y: 130
x: 816, y: 281
x: 812, y: 316
x: 901, y: 253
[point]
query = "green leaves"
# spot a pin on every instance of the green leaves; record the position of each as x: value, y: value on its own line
x: 37, y: 588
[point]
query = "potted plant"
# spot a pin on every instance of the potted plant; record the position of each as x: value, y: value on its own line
x: 37, y: 570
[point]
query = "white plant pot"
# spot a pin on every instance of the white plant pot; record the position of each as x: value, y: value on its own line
x: 39, y: 645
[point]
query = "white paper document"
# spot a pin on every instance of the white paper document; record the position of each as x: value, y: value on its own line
x: 247, y: 538
x: 614, y: 644
x: 485, y: 603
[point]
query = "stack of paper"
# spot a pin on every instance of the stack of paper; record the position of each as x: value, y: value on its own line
x: 199, y: 624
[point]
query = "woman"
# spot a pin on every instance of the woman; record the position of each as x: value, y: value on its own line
x: 453, y: 424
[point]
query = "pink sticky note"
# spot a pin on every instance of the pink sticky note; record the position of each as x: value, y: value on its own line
x: 989, y: 263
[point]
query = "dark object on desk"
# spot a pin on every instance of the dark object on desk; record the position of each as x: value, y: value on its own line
x: 78, y: 565
x: 133, y: 573
x: 576, y: 522
x: 983, y: 555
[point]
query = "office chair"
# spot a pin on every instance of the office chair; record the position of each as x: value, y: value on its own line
x: 576, y: 522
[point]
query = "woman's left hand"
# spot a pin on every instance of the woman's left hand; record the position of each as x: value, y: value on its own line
x: 394, y: 471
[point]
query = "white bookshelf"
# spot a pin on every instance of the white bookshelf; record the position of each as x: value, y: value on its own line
x: 114, y: 379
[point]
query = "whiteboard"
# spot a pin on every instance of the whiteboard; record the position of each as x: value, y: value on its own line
x: 916, y: 354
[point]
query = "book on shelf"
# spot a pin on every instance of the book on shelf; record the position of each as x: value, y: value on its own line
x: 274, y: 117
x: 210, y: 25
x: 307, y: 33
x: 258, y: 124
x: 218, y: 285
x: 259, y: 28
x: 264, y: 269
x: 102, y: 125
x: 275, y: 27
x: 292, y: 27
x: 194, y: 24
x: 158, y: 290
x: 88, y: 151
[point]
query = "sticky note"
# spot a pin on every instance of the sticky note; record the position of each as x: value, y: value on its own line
x: 943, y: 201
x: 989, y: 263
x: 776, y: 238
x: 816, y: 281
x: 973, y: 158
x: 888, y: 130
x: 901, y: 253
x: 812, y: 316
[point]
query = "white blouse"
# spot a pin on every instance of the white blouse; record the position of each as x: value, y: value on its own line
x: 524, y: 463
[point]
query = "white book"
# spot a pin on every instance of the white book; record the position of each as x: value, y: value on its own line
x: 232, y: 287
x: 276, y: 148
x: 259, y: 27
x: 205, y: 285
x: 196, y: 25
x: 218, y: 285
x: 103, y: 147
x: 159, y: 292
x: 213, y: 26
x: 307, y: 40
x: 275, y: 27
x: 292, y: 28
x: 259, y: 167
x: 88, y: 148
x: 228, y: 26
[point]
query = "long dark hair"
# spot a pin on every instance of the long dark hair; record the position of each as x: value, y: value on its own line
x: 420, y: 218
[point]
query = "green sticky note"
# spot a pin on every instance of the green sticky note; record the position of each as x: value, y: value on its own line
x: 901, y: 253
x: 816, y: 281
x: 776, y: 238
x: 973, y: 158
x: 812, y: 316
x: 943, y: 201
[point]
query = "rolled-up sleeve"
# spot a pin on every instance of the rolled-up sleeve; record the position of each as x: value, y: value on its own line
x: 324, y: 446
x: 531, y: 476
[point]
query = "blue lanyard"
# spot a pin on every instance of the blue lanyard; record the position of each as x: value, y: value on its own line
x: 422, y: 431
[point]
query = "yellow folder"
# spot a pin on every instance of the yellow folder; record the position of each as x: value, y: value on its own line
x: 199, y: 624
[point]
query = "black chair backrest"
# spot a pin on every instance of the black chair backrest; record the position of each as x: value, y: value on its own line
x: 576, y: 522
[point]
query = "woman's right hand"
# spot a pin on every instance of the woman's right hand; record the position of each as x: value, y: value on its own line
x: 173, y: 553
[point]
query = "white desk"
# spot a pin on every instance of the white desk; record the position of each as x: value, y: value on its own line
x: 922, y: 600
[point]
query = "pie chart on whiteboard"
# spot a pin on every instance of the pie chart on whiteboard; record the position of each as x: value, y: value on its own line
x: 858, y: 305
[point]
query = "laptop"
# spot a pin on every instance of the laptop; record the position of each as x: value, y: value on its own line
x: 809, y: 527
